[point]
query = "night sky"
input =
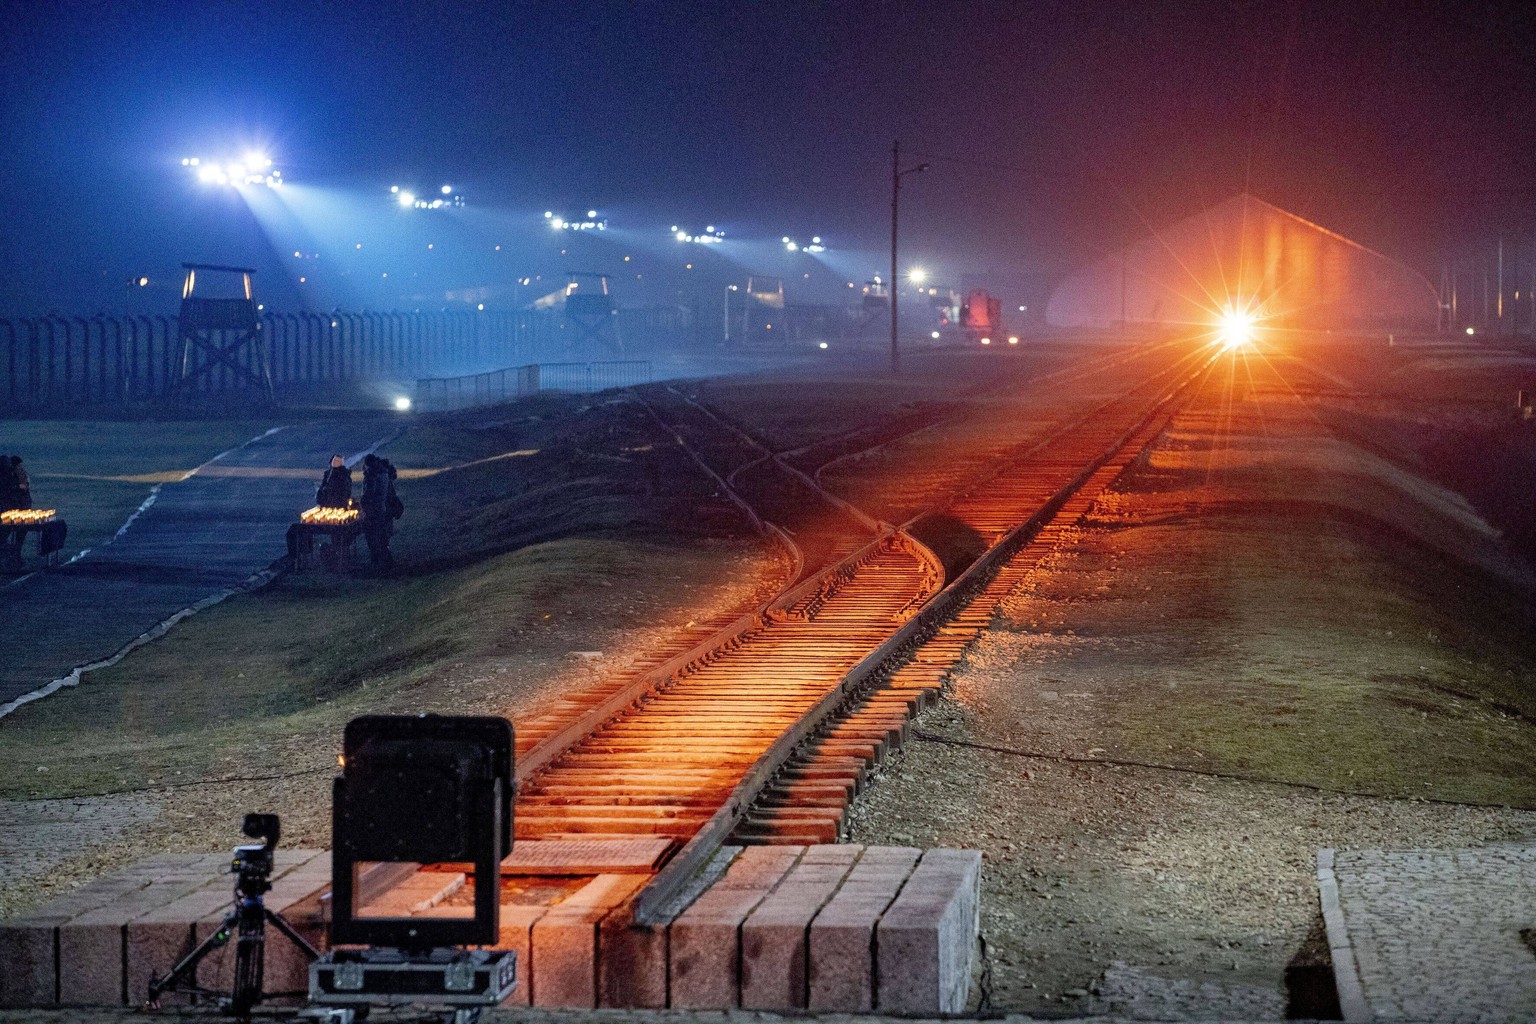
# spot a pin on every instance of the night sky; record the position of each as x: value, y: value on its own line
x: 1053, y: 130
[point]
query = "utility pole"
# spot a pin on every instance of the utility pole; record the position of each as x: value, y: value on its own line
x: 896, y: 175
x: 1501, y: 285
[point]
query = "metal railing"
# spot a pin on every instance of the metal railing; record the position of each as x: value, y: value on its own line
x: 441, y: 394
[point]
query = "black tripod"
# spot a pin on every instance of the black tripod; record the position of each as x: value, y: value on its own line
x: 246, y: 923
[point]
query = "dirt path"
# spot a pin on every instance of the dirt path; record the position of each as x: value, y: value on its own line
x: 1264, y: 641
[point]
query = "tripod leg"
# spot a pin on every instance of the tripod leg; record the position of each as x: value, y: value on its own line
x: 287, y: 929
x: 188, y: 964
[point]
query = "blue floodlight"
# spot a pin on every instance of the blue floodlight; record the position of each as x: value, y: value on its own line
x: 252, y: 169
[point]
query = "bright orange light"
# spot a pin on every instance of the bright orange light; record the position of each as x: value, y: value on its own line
x: 1235, y: 329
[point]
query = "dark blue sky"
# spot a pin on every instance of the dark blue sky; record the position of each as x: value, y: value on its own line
x: 1405, y: 125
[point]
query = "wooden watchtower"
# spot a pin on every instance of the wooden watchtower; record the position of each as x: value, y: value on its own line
x: 590, y: 308
x: 220, y: 337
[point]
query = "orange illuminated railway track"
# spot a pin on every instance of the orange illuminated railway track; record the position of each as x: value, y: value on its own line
x: 764, y: 731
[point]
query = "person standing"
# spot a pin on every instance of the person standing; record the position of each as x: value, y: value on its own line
x: 22, y: 495
x: 336, y: 486
x: 378, y: 518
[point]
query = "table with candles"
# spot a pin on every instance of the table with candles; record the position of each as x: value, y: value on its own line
x: 16, y: 523
x: 339, y: 528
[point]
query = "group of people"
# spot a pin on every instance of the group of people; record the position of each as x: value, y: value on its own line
x: 380, y: 505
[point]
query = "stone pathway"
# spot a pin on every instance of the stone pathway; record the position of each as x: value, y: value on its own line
x: 200, y: 538
x: 1437, y: 934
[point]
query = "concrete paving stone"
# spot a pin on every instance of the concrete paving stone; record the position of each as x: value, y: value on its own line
x: 759, y: 867
x: 632, y: 963
x: 565, y: 942
x: 704, y: 955
x: 774, y: 966
x: 841, y: 941
x: 30, y: 960
x: 154, y: 942
x: 1436, y: 933
x: 924, y: 942
x: 91, y: 946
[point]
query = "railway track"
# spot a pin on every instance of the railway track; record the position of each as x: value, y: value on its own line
x: 765, y: 732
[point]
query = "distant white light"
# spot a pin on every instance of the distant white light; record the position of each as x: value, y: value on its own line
x: 709, y: 236
x: 402, y: 404
x: 917, y: 275
x: 406, y: 199
x: 394, y: 188
x: 822, y: 345
x: 481, y: 307
x: 934, y: 335
x: 1471, y: 330
x: 1013, y: 339
x: 561, y: 224
x: 816, y: 240
x: 446, y: 190
x: 792, y: 247
x: 986, y: 341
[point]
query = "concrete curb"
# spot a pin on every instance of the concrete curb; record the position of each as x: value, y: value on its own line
x: 1346, y: 973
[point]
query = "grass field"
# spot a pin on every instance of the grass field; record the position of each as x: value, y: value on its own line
x: 97, y: 473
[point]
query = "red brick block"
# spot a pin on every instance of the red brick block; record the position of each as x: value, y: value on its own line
x: 773, y: 937
x: 564, y: 942
x: 841, y: 950
x: 925, y: 941
x: 704, y: 940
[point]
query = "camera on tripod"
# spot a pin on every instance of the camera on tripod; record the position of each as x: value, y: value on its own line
x: 245, y: 923
x: 252, y: 865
